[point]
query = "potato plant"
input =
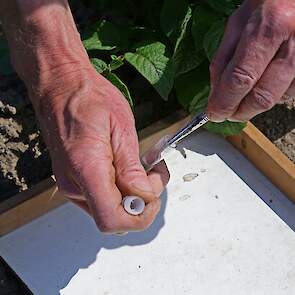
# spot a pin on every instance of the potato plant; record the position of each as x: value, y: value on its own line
x: 169, y: 42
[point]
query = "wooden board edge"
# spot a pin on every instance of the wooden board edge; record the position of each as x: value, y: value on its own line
x: 38, y: 200
x: 21, y: 197
x: 251, y: 142
x: 267, y: 158
x: 30, y: 210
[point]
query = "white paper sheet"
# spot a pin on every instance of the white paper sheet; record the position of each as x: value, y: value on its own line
x: 215, y: 234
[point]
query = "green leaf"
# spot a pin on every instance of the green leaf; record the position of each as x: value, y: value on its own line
x: 185, y: 56
x: 117, y: 62
x: 200, y: 101
x: 203, y: 18
x: 5, y: 64
x: 103, y: 36
x: 183, y: 28
x: 172, y: 14
x: 99, y: 65
x: 226, y: 128
x: 213, y: 38
x: 226, y: 7
x: 3, y: 47
x: 116, y: 81
x: 152, y: 62
x: 191, y: 85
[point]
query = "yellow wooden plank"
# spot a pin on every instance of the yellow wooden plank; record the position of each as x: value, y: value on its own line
x: 267, y: 158
x: 251, y: 142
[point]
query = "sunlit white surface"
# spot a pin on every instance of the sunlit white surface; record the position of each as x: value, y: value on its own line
x: 215, y: 234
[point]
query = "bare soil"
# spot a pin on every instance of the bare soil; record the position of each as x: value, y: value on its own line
x: 24, y: 159
x: 278, y: 125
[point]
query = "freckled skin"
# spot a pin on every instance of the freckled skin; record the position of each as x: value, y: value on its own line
x: 255, y: 65
x: 86, y: 122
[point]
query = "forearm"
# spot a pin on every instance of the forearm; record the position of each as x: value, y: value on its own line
x: 44, y: 42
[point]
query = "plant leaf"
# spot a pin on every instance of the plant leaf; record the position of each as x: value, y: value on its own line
x: 116, y: 62
x: 116, y: 81
x: 152, y: 62
x: 3, y: 47
x: 226, y: 128
x: 203, y: 18
x: 99, y: 65
x: 190, y: 85
x: 5, y: 63
x: 213, y: 38
x: 102, y: 36
x: 185, y: 56
x: 172, y: 14
x: 226, y: 7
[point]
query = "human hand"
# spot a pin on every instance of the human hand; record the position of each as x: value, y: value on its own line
x: 90, y: 131
x: 254, y: 67
x: 86, y: 122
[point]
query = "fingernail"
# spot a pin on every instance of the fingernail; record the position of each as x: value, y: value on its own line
x: 213, y: 117
x: 236, y: 120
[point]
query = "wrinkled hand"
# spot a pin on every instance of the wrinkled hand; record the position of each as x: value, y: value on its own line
x: 254, y: 67
x: 89, y: 129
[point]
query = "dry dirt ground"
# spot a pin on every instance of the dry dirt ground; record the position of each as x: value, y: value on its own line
x: 24, y: 158
x: 278, y: 125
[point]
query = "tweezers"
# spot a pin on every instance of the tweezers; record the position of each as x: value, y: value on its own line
x: 153, y: 156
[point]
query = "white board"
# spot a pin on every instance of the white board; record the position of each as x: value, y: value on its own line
x: 214, y: 235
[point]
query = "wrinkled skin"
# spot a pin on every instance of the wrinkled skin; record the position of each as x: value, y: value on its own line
x: 255, y: 64
x: 87, y: 124
x: 93, y: 144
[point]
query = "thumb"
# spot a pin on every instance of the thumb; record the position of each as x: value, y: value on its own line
x: 131, y: 178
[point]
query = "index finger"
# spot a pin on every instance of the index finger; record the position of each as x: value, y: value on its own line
x: 258, y: 45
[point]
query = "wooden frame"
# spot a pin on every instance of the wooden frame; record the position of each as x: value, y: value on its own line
x: 267, y: 158
x: 26, y: 206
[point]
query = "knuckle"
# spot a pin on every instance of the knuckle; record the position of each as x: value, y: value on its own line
x: 130, y: 170
x: 262, y: 98
x: 282, y: 11
x: 277, y: 19
x: 240, y: 79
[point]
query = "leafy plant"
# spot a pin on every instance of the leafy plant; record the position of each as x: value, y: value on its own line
x: 169, y: 42
x: 5, y: 65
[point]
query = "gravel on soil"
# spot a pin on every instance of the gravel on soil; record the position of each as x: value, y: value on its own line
x: 24, y: 159
x: 278, y: 125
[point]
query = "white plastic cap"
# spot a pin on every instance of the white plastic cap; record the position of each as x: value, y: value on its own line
x: 133, y: 205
